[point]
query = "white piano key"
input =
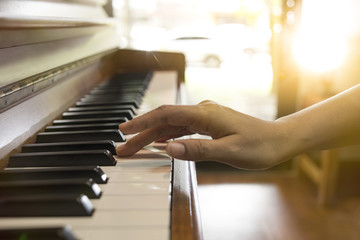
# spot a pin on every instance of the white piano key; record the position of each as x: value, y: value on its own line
x: 140, y: 165
x: 100, y: 219
x: 133, y: 234
x: 146, y: 159
x: 141, y: 188
x: 132, y: 202
x: 139, y: 176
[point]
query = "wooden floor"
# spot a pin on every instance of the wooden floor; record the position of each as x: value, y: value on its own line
x: 275, y: 205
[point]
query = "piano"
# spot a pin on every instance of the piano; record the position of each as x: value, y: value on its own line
x: 66, y: 83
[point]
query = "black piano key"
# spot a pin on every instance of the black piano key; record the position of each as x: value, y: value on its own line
x: 82, y: 127
x: 113, y: 101
x: 107, y: 96
x: 59, y: 205
x: 107, y: 103
x: 90, y: 135
x: 116, y: 84
x: 114, y: 96
x: 47, y: 173
x: 103, y: 108
x: 135, y: 101
x: 89, y: 121
x: 70, y: 146
x: 98, y: 114
x: 119, y: 90
x: 60, y: 159
x: 122, y: 90
x: 50, y: 187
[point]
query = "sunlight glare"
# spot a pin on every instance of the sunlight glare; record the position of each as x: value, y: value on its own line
x: 320, y: 54
x: 320, y: 44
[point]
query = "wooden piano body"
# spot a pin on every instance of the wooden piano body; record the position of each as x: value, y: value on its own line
x: 51, y: 54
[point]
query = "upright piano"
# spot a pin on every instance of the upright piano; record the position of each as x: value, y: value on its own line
x: 65, y: 85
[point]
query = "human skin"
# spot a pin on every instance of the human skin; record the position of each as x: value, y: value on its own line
x: 243, y: 141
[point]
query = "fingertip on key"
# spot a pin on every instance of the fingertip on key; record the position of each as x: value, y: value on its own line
x: 120, y: 150
x: 176, y: 149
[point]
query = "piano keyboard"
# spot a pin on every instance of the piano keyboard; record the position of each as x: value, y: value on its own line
x: 71, y: 185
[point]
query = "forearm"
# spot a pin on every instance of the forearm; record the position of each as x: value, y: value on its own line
x: 332, y: 123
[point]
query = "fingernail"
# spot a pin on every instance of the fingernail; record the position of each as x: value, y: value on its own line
x: 175, y: 149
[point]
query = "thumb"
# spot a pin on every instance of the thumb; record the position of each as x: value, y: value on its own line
x: 192, y: 149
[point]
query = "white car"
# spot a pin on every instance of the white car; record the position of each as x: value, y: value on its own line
x: 198, y: 49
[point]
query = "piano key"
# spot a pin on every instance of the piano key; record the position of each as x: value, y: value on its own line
x: 70, y: 146
x: 66, y: 158
x: 50, y: 187
x: 53, y: 233
x: 134, y: 101
x: 107, y: 103
x: 136, y: 233
x: 138, y: 176
x: 111, y: 90
x: 141, y: 219
x: 101, y: 219
x: 98, y: 114
x: 82, y: 127
x: 116, y: 81
x: 47, y: 173
x: 125, y: 96
x: 108, y: 96
x: 137, y: 188
x: 103, y: 108
x: 89, y: 121
x: 90, y: 135
x: 46, y: 205
x: 120, y: 81
x: 146, y: 163
x: 117, y: 85
x: 132, y: 202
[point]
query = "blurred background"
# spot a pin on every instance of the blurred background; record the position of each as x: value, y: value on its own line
x: 266, y: 58
x: 276, y: 50
x: 225, y: 43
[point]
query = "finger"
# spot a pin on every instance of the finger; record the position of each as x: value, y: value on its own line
x: 197, y: 149
x: 225, y: 150
x: 177, y: 135
x: 144, y: 138
x: 166, y: 114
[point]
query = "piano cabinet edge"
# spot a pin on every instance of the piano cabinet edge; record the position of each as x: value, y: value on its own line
x: 185, y: 210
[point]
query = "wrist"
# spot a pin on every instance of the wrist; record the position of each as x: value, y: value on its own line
x: 294, y: 137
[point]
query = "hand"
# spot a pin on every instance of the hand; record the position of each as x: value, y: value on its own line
x: 239, y: 140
